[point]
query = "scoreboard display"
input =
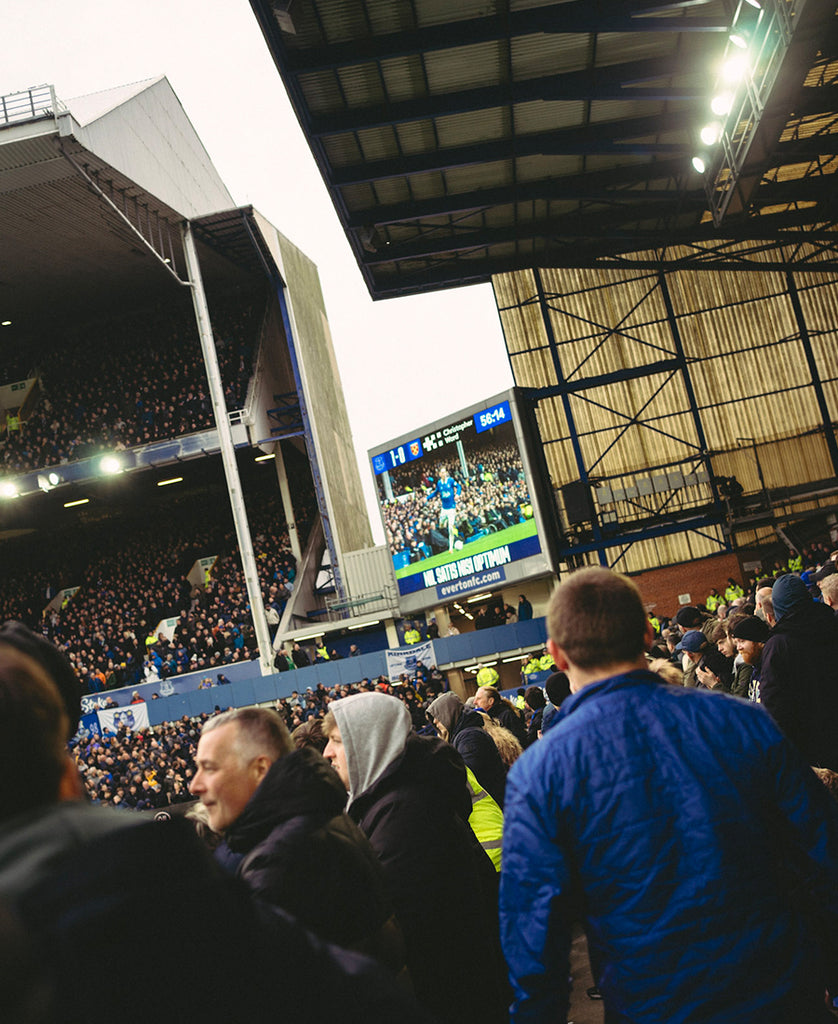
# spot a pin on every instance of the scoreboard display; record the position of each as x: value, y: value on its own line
x: 459, y: 508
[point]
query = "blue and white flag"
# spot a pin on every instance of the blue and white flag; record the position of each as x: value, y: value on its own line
x: 135, y: 716
x: 404, y: 659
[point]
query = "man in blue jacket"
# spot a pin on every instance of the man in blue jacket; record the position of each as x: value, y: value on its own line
x: 680, y: 827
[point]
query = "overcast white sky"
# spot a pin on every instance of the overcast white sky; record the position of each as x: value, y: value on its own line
x: 404, y: 362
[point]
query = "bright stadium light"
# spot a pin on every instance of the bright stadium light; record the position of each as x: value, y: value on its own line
x: 110, y: 465
x: 8, y: 489
x: 699, y: 164
x: 171, y: 480
x: 78, y: 501
x: 721, y: 104
x: 734, y: 68
x: 264, y: 458
x: 710, y: 133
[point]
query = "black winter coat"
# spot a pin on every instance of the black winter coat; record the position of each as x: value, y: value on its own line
x: 302, y: 853
x: 477, y: 748
x: 416, y: 818
x: 799, y: 681
x: 115, y: 899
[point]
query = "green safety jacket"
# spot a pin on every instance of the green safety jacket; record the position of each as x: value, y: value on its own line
x: 487, y: 676
x: 486, y: 820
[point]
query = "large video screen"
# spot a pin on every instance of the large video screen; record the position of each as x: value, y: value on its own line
x: 457, y: 505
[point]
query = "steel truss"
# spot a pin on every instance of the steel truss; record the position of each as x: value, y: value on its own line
x: 631, y: 496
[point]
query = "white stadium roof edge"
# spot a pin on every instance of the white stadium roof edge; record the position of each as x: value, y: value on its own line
x: 80, y: 178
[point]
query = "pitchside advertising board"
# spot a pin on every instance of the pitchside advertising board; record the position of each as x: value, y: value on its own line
x: 459, y: 505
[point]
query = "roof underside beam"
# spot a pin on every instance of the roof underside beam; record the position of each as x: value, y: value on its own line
x: 570, y: 231
x: 461, y: 272
x: 580, y: 16
x: 632, y: 137
x: 615, y: 82
x: 581, y: 187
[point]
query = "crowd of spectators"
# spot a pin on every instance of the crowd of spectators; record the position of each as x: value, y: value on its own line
x: 132, y: 574
x: 123, y: 382
x: 717, y: 644
x: 493, y: 496
x: 144, y: 770
x: 152, y: 767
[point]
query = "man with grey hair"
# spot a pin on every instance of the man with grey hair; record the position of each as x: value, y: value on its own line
x: 281, y: 812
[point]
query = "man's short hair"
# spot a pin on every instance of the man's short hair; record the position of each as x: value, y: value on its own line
x: 33, y: 733
x: 689, y: 617
x: 598, y: 619
x: 829, y: 588
x: 492, y: 693
x: 258, y: 731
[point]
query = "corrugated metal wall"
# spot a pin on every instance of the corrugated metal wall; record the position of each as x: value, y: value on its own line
x: 733, y: 338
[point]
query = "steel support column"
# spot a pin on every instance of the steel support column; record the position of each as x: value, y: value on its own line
x: 811, y: 362
x: 568, y: 411
x: 694, y: 410
x: 228, y: 452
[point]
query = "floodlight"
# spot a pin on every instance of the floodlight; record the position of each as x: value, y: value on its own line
x: 8, y: 489
x: 710, y: 133
x: 738, y: 40
x: 734, y: 68
x: 699, y: 164
x: 721, y: 103
x: 110, y: 465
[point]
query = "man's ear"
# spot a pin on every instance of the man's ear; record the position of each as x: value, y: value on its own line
x: 69, y: 785
x: 558, y: 655
x: 262, y: 764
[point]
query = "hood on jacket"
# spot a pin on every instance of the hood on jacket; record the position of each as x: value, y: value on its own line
x: 810, y: 620
x: 374, y: 728
x: 299, y: 783
x: 788, y: 594
x: 446, y: 709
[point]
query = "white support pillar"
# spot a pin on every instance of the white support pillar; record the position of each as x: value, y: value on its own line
x: 228, y: 454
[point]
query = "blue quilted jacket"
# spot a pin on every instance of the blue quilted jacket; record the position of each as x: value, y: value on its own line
x: 693, y: 842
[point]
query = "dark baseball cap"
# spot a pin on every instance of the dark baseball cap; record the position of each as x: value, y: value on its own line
x: 693, y: 641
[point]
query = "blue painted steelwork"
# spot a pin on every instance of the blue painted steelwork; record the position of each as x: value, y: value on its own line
x: 568, y: 411
x: 688, y: 384
x: 811, y: 362
x: 659, y: 520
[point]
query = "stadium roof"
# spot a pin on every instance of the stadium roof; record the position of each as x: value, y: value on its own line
x: 87, y: 224
x: 459, y: 140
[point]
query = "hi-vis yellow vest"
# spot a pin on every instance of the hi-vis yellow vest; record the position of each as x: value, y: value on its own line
x: 486, y: 820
